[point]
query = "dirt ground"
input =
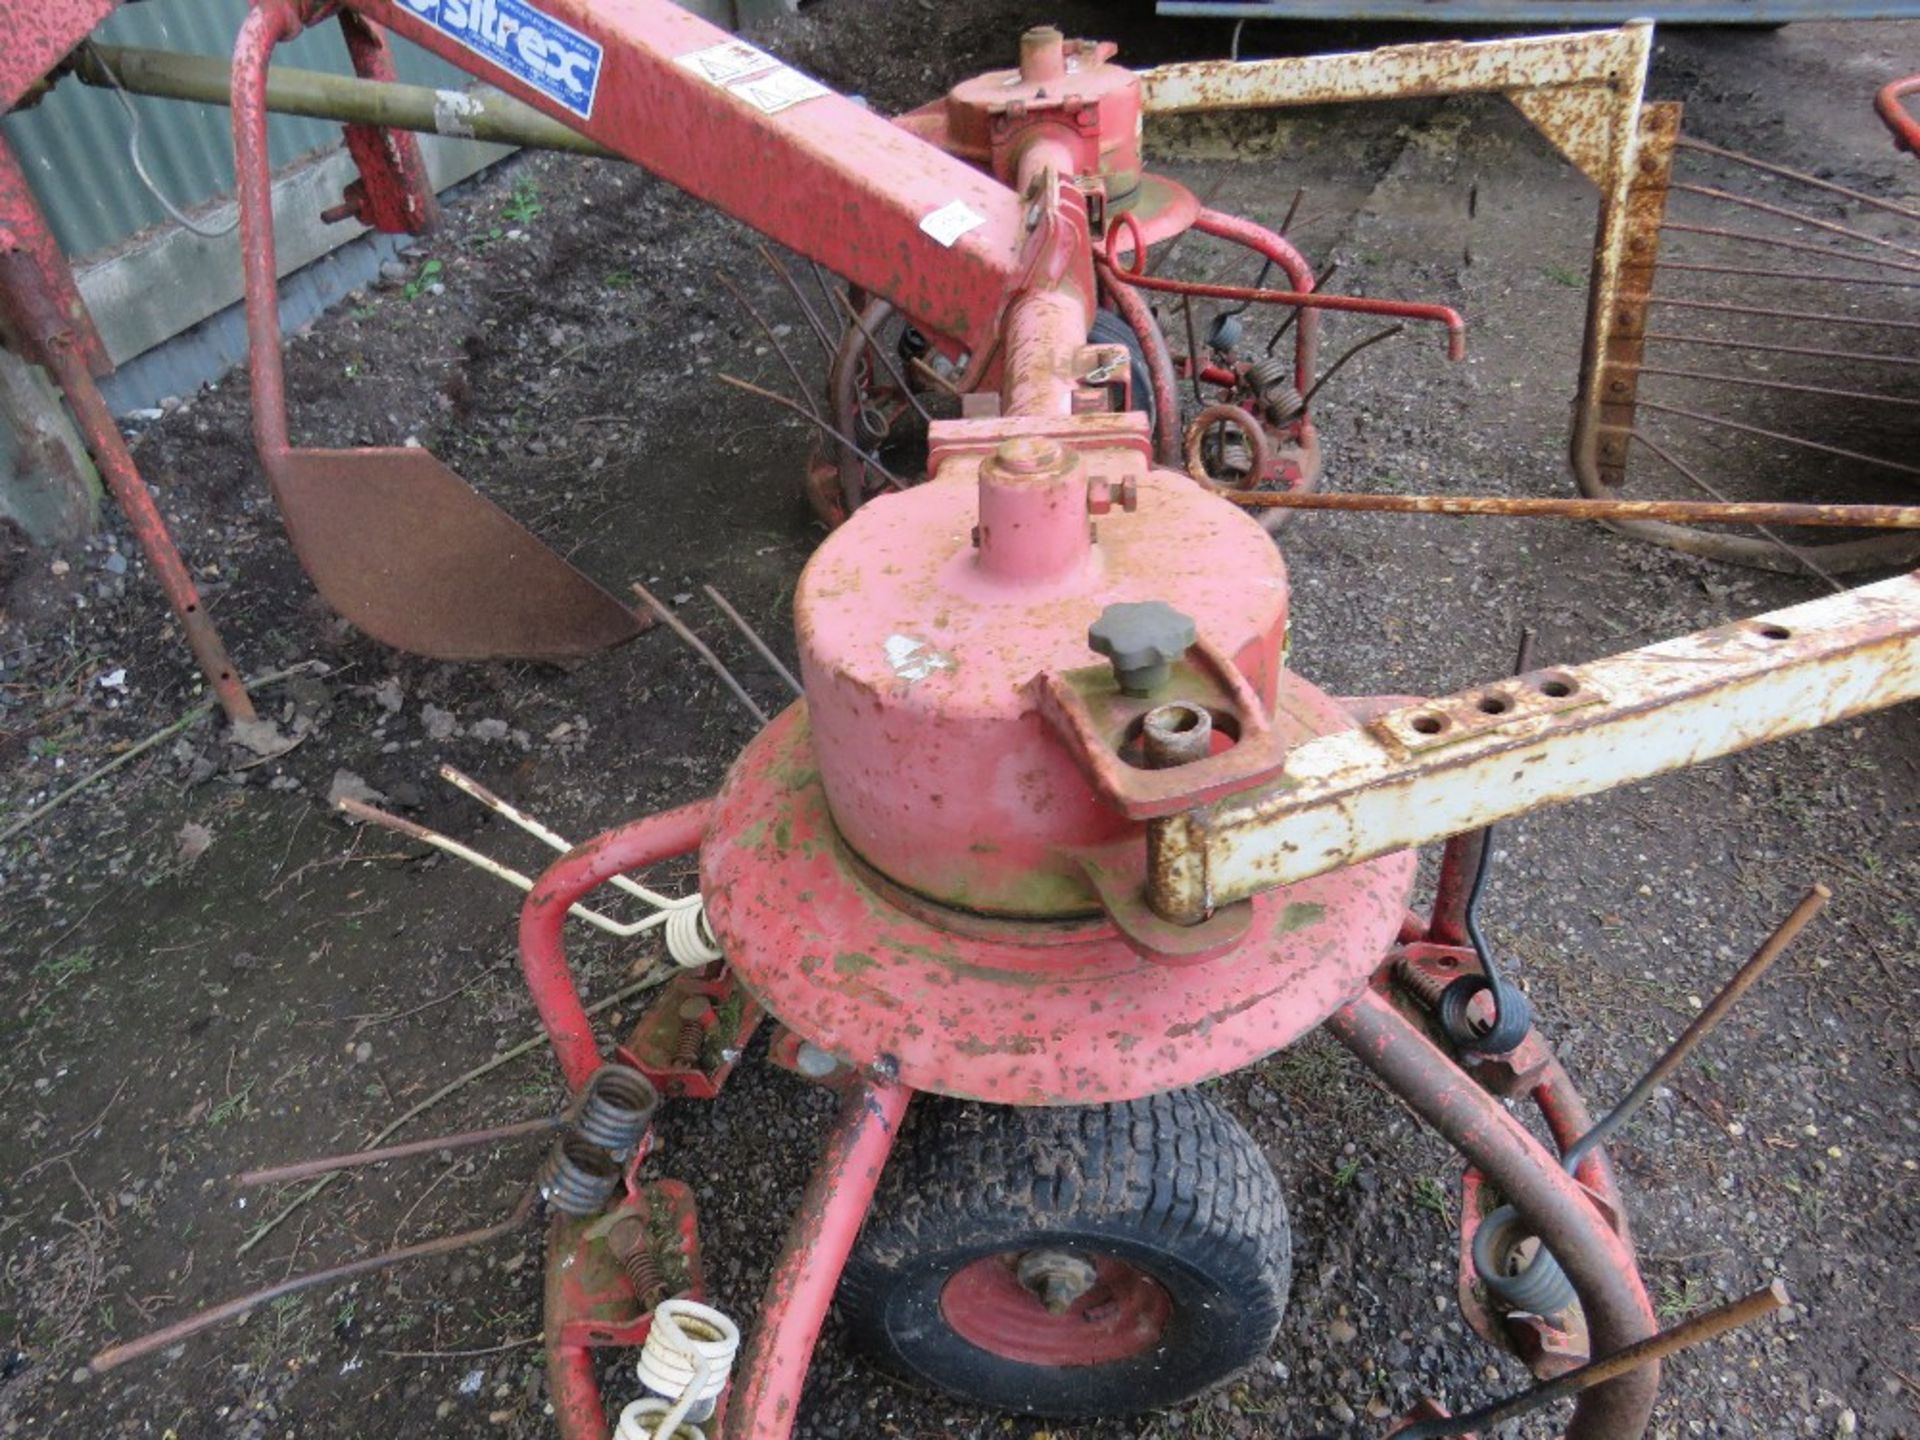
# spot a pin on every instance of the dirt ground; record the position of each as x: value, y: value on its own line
x: 210, y: 970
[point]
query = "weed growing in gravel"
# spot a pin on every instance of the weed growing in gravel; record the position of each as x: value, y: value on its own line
x: 1431, y: 1194
x: 524, y: 204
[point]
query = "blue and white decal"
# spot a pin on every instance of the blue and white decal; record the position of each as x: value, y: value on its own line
x: 532, y: 46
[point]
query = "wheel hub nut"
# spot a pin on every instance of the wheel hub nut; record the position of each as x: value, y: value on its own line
x: 1055, y: 1278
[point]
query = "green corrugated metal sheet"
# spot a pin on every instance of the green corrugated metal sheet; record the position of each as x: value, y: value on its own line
x: 74, y: 143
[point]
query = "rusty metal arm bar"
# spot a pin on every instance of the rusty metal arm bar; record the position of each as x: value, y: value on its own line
x: 1854, y: 356
x: 479, y: 112
x: 1541, y: 12
x: 1696, y: 1330
x: 1431, y: 770
x: 1536, y: 507
x: 1396, y: 72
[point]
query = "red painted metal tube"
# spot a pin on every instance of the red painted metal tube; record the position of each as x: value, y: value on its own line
x: 579, y: 1413
x: 1280, y: 250
x: 1349, y: 304
x: 267, y: 24
x: 1599, y: 1262
x: 122, y: 476
x: 1458, y: 861
x: 766, y: 1397
x: 1891, y: 103
x: 543, y: 954
x: 1128, y: 305
x: 825, y: 177
x: 1569, y: 1120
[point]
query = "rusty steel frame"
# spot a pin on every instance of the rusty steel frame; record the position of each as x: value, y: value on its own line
x: 44, y: 319
x: 1436, y: 768
x: 1583, y: 92
x: 1598, y: 1258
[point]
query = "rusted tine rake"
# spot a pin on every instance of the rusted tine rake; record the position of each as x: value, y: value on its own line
x: 1758, y: 320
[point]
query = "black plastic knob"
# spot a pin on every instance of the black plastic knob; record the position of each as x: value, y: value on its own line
x: 1142, y: 638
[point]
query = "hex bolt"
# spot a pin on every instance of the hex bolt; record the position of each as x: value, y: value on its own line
x: 1056, y: 1278
x: 1176, y: 734
x: 1142, y: 639
x: 1104, y: 494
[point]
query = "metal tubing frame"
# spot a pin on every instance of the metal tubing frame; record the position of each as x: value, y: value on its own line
x: 267, y: 23
x: 766, y: 1399
x: 49, y: 323
x: 477, y: 113
x: 1598, y: 1260
x: 1433, y: 769
x: 1153, y: 344
x: 795, y: 175
x: 1282, y: 252
x: 1891, y: 103
x: 543, y: 917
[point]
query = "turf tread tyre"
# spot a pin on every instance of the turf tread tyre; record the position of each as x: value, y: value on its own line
x: 1171, y: 1183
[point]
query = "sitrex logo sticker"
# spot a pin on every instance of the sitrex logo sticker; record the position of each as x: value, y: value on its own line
x: 553, y: 58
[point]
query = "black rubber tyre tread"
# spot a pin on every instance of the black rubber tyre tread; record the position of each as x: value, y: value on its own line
x: 1172, y: 1182
x: 1109, y: 329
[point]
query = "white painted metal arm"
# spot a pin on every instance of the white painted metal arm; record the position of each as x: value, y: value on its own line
x: 1427, y: 771
x: 1606, y: 58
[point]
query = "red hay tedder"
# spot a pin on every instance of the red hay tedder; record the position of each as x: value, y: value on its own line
x: 1054, y: 834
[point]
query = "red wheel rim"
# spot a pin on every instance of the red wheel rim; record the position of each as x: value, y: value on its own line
x: 1124, y: 1314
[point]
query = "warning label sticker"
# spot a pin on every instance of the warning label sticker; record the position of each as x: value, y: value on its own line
x: 723, y: 64
x: 755, y: 76
x: 951, y: 221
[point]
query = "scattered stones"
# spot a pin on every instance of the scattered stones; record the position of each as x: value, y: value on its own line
x: 349, y: 786
x: 439, y: 724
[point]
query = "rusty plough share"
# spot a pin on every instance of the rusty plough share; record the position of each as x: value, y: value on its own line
x: 1054, y: 830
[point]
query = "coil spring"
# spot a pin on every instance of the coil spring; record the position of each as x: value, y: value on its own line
x: 1418, y: 981
x: 641, y: 1421
x: 690, y: 938
x: 1456, y: 1019
x: 578, y: 1177
x: 1539, y: 1287
x: 643, y: 1269
x: 616, y: 1109
x: 693, y: 1033
x: 1272, y: 380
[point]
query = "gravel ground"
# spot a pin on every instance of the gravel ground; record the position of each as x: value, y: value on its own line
x: 211, y: 971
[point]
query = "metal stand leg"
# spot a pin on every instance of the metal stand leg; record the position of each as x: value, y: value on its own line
x: 51, y: 327
x: 766, y: 1397
x: 1598, y: 1261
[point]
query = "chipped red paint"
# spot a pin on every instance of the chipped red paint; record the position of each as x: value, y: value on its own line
x: 766, y: 1397
x: 1598, y: 1259
x: 45, y: 315
x: 1123, y: 1314
x: 1060, y: 1013
x: 543, y: 958
x: 393, y: 193
x: 827, y: 177
x: 39, y: 33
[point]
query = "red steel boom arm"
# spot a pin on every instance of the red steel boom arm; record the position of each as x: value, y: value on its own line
x: 824, y: 176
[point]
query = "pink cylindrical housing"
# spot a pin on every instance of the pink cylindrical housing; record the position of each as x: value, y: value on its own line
x: 1033, y: 513
x: 918, y: 652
